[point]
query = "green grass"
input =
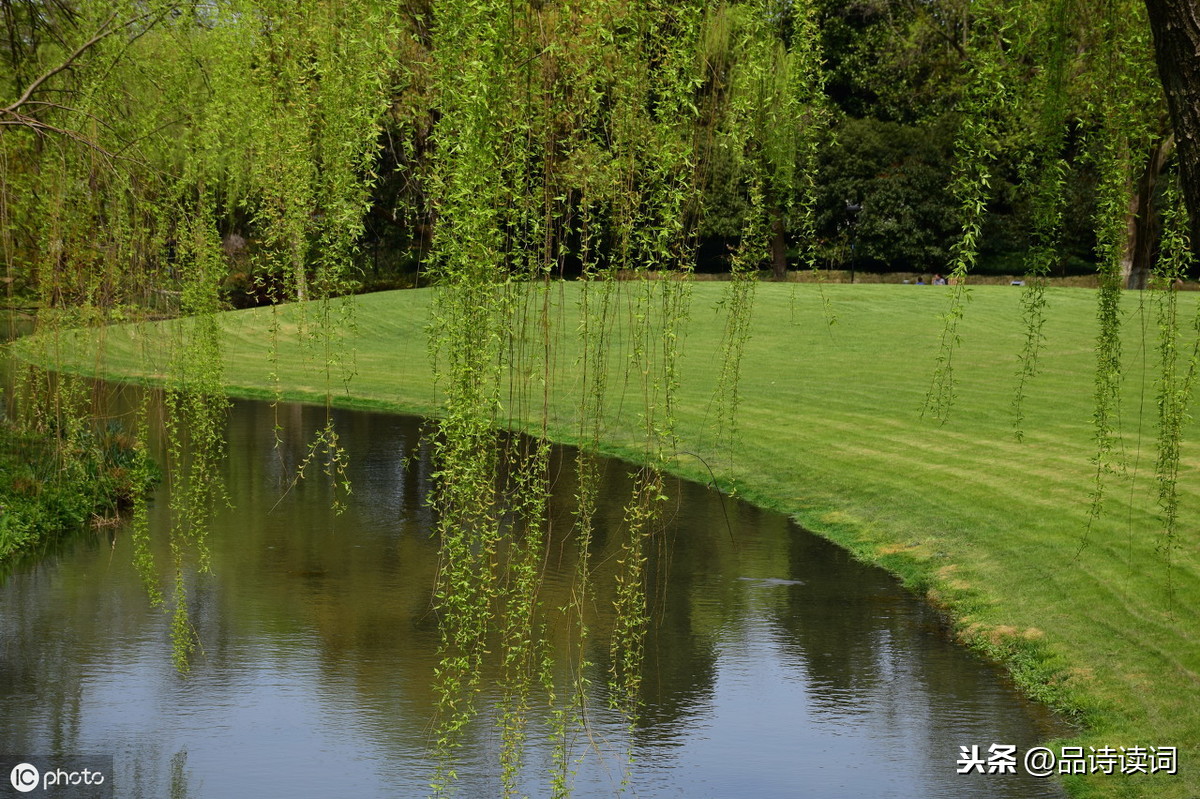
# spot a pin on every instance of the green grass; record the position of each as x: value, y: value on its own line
x: 830, y: 431
x: 50, y: 489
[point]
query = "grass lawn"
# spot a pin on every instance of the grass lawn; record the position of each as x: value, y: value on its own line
x: 830, y: 431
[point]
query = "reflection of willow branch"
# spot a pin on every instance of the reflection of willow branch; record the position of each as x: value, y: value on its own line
x: 720, y: 495
x: 334, y: 466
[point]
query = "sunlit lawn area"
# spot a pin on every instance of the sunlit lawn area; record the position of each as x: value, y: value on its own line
x: 1100, y: 621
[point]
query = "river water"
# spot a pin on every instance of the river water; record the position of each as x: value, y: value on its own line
x: 776, y: 665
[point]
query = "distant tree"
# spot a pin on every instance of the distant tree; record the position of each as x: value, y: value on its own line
x: 897, y: 175
x: 895, y: 60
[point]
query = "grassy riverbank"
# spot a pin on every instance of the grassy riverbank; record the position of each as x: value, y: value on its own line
x: 46, y: 493
x: 993, y: 529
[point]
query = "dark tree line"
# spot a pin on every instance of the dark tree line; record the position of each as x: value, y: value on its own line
x: 895, y: 72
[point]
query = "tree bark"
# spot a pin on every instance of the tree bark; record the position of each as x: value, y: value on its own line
x: 1176, y: 28
x: 778, y: 246
x: 1145, y: 220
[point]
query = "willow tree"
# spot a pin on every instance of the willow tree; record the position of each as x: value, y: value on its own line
x: 1177, y: 54
x: 763, y: 120
x: 582, y: 133
x: 1176, y: 45
x: 555, y: 133
x: 560, y: 125
x: 152, y: 129
x: 564, y: 131
x: 1091, y: 78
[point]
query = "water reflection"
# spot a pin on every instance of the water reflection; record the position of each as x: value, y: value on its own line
x: 776, y: 665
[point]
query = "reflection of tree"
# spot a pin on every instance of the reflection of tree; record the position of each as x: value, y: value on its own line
x: 872, y: 651
x: 680, y: 661
x: 340, y: 606
x: 701, y: 606
x: 179, y: 776
x: 835, y: 622
x: 360, y: 582
x: 679, y: 667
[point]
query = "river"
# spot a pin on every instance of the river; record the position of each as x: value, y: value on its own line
x: 776, y: 665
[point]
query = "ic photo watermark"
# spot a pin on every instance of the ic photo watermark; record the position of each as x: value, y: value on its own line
x: 82, y: 777
x: 1042, y: 761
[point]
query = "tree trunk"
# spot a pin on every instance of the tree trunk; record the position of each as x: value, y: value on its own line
x: 1145, y: 221
x: 1176, y: 28
x: 778, y: 246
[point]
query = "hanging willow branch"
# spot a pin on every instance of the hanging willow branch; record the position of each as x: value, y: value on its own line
x: 1177, y: 377
x: 986, y: 101
x: 1044, y: 169
x: 1124, y: 104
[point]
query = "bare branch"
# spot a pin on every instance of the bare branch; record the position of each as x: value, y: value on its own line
x: 104, y: 31
x: 11, y: 115
x: 42, y: 128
